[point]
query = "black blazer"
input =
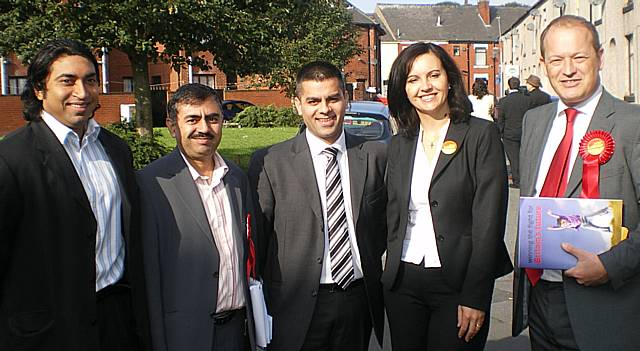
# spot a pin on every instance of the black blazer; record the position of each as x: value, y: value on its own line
x: 47, y: 243
x: 539, y: 98
x: 468, y: 198
x: 511, y: 110
x: 291, y: 240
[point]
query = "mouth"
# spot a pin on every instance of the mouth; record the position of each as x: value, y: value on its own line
x: 428, y: 97
x: 79, y: 106
x: 326, y: 121
x: 570, y: 83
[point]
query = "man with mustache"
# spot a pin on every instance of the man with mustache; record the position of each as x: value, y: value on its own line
x: 322, y: 199
x: 195, y: 207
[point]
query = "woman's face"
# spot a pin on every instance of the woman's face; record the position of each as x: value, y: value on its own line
x: 427, y: 86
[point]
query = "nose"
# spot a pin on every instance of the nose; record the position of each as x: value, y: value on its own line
x: 425, y: 85
x: 324, y: 107
x: 568, y: 67
x: 79, y: 89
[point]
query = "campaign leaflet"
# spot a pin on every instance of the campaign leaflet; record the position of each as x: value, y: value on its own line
x: 544, y: 223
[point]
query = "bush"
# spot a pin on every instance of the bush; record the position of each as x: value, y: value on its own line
x: 268, y: 116
x: 145, y: 149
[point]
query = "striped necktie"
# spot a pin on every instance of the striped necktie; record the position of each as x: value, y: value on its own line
x: 339, y: 245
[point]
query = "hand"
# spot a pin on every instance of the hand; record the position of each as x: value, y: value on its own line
x: 589, y: 270
x: 470, y: 321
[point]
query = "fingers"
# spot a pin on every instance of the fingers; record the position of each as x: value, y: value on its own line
x: 470, y: 321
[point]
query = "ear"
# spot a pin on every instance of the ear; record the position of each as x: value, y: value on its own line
x: 171, y: 126
x: 544, y: 67
x: 601, y: 58
x: 40, y: 95
x: 298, y: 104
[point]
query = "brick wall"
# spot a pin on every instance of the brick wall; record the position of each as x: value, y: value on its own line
x: 109, y: 111
x: 259, y: 97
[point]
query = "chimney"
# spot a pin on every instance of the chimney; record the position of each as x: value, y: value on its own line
x: 484, y: 11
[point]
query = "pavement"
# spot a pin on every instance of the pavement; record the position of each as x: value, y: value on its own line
x: 500, y: 338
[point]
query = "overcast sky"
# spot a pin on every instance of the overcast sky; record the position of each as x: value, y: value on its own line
x: 368, y: 5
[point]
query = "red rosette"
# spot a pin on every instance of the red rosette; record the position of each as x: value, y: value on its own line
x: 596, y: 148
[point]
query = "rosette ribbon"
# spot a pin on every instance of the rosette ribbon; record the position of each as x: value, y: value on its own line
x: 596, y: 148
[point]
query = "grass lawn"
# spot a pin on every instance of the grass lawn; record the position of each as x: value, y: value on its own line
x: 239, y: 143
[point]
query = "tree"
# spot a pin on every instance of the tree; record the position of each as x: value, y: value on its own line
x: 268, y: 37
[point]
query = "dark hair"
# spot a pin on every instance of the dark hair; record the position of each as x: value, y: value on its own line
x: 319, y: 71
x: 514, y: 83
x: 39, y: 70
x: 480, y: 88
x: 568, y: 21
x: 399, y: 105
x: 192, y: 94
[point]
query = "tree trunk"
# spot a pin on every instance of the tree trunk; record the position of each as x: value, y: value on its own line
x: 142, y: 93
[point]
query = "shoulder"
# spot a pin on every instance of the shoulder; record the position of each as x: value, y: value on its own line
x: 481, y: 126
x: 113, y: 140
x: 160, y: 166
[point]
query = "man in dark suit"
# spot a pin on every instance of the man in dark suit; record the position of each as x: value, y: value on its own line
x: 323, y: 229
x: 594, y: 305
x: 538, y: 97
x: 194, y: 224
x: 511, y: 109
x: 71, y: 275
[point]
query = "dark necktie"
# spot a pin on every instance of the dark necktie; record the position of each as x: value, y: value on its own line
x: 555, y: 184
x: 339, y: 245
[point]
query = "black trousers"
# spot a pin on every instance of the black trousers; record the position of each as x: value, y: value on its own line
x: 116, y: 322
x: 512, y: 148
x: 230, y: 334
x: 423, y: 313
x: 549, y: 324
x: 341, y: 320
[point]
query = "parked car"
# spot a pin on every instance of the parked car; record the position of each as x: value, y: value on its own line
x: 230, y: 108
x: 368, y: 119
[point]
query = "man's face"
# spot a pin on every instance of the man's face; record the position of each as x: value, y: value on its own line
x: 322, y: 105
x: 572, y: 63
x: 197, y: 129
x: 71, y: 92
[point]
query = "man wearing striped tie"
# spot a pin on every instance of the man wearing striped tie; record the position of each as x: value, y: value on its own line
x: 322, y: 230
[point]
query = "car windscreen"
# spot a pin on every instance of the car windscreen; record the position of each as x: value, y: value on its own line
x: 367, y: 127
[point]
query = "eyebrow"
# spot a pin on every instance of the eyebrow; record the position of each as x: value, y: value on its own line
x: 70, y: 75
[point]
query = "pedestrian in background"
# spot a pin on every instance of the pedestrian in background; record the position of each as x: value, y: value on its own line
x: 538, y: 97
x: 483, y: 103
x: 510, y: 110
x: 447, y: 189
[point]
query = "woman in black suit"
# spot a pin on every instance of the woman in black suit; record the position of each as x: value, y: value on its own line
x: 447, y: 205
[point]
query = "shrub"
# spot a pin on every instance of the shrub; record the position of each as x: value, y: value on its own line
x: 268, y: 116
x: 145, y: 149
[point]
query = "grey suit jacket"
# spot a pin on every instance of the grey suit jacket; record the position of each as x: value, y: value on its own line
x: 605, y: 317
x: 180, y: 255
x: 291, y: 241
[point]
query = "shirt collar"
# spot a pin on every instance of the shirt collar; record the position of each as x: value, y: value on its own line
x: 220, y: 169
x: 587, y: 107
x: 317, y: 145
x: 62, y: 132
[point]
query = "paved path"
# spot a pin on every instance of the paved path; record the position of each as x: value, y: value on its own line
x: 500, y: 333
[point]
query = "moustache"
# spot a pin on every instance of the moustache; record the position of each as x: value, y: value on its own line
x: 201, y: 135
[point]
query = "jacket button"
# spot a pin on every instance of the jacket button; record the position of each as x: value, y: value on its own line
x: 211, y: 314
x: 434, y: 203
x: 314, y: 293
x: 216, y: 274
x: 319, y: 260
x: 440, y: 238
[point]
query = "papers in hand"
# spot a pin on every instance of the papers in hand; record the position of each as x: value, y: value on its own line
x: 263, y: 321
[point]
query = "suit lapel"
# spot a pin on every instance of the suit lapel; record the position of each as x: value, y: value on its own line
x: 403, y: 171
x: 455, y: 133
x: 600, y: 121
x: 234, y: 193
x: 56, y: 159
x: 119, y: 164
x: 357, y: 174
x: 539, y: 140
x: 302, y: 167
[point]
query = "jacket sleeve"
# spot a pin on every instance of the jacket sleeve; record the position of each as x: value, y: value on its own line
x: 10, y: 205
x: 264, y: 203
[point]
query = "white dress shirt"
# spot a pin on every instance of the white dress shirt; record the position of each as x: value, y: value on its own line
x: 218, y: 210
x: 316, y: 146
x: 100, y: 183
x: 420, y: 239
x: 580, y: 126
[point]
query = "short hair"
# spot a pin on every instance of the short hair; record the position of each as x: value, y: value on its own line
x: 191, y: 94
x: 570, y: 21
x: 40, y: 68
x: 479, y: 88
x: 514, y: 83
x: 319, y: 71
x: 399, y: 105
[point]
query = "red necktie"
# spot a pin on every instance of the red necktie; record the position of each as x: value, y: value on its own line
x: 555, y: 184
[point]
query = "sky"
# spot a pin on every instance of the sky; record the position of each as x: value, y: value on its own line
x: 367, y: 6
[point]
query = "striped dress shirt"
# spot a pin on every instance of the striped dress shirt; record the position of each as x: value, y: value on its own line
x: 98, y: 177
x: 218, y: 210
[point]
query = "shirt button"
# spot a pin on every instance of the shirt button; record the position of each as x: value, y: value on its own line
x: 434, y: 203
x: 319, y: 260
x: 440, y: 238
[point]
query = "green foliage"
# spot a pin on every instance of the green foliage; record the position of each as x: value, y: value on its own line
x: 267, y: 116
x: 145, y: 149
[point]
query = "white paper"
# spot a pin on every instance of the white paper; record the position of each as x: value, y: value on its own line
x: 262, y: 320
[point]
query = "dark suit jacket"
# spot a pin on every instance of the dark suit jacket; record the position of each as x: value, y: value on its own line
x: 511, y: 109
x: 603, y: 317
x: 47, y: 243
x: 539, y: 98
x: 181, y: 257
x: 468, y: 198
x: 291, y: 244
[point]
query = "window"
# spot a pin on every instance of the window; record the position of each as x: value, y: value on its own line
x: 205, y: 79
x: 481, y: 55
x: 127, y: 83
x: 631, y: 66
x: 456, y: 51
x: 16, y: 85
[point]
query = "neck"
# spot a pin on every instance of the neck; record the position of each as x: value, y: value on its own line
x: 430, y: 122
x: 203, y: 167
